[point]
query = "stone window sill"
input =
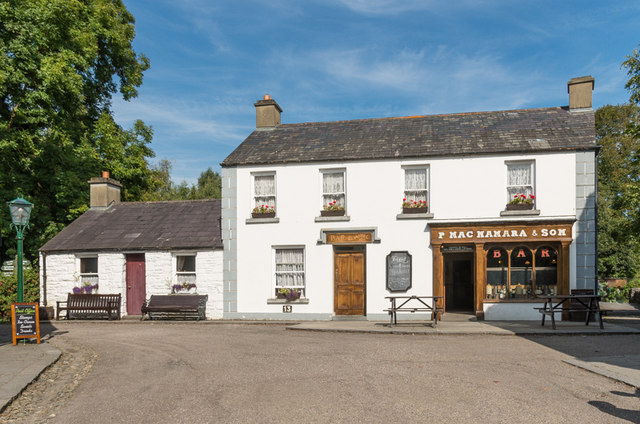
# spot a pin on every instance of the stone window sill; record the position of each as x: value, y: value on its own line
x: 414, y: 216
x: 332, y: 218
x: 276, y: 301
x: 520, y: 213
x: 262, y: 221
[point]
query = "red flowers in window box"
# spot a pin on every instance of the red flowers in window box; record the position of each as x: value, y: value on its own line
x: 414, y: 206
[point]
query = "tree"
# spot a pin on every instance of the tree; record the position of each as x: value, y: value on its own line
x: 61, y: 61
x: 633, y: 70
x: 209, y: 185
x: 618, y: 191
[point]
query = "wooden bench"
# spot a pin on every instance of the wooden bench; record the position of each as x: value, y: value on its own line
x: 90, y: 306
x: 588, y: 304
x: 175, y: 306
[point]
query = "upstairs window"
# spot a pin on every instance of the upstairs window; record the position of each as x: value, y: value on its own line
x: 264, y: 191
x: 416, y: 186
x: 520, y: 177
x: 333, y: 188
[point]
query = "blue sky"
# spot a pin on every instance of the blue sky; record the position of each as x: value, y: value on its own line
x: 325, y: 60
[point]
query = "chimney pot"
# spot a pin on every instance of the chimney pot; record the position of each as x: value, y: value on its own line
x: 581, y: 92
x: 267, y: 112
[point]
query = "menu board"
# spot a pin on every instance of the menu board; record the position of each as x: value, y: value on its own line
x: 398, y: 271
x: 25, y: 321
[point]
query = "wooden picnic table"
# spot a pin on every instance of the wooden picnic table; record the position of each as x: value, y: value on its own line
x: 413, y: 304
x: 589, y: 303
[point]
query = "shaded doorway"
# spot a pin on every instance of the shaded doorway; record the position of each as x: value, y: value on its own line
x: 136, y: 284
x: 458, y: 282
x: 349, y: 280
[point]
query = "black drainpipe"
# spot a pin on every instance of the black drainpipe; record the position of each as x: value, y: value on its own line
x: 44, y: 280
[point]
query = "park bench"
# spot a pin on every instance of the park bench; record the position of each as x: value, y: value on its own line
x: 175, y: 306
x: 90, y: 306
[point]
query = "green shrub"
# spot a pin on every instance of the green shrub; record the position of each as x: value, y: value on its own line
x: 616, y: 294
x: 9, y: 291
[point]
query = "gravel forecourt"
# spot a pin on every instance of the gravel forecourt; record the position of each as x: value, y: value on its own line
x: 181, y: 372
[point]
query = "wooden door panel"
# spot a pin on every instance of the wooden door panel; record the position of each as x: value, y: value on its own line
x: 136, y: 284
x: 349, y: 283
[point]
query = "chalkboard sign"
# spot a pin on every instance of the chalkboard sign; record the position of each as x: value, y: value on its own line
x: 25, y: 321
x: 398, y: 271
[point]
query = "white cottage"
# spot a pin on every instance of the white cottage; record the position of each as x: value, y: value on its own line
x: 137, y: 249
x: 348, y: 212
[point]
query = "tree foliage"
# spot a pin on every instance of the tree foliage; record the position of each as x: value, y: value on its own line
x: 633, y: 71
x: 209, y: 185
x: 61, y: 61
x: 618, y: 190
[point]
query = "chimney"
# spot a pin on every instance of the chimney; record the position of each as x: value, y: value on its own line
x: 104, y: 191
x: 267, y: 112
x: 580, y: 92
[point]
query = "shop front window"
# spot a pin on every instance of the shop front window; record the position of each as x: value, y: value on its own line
x: 521, y: 266
x: 546, y: 271
x: 521, y: 272
x: 497, y: 273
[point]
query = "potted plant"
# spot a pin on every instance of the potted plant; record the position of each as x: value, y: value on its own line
x: 332, y: 209
x: 289, y: 294
x: 86, y: 288
x: 521, y: 202
x: 263, y: 211
x: 185, y: 287
x: 414, y: 206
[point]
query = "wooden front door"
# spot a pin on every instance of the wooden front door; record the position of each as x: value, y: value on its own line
x: 136, y: 285
x: 349, y: 281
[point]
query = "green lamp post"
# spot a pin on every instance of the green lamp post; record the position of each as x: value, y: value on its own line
x: 20, y: 211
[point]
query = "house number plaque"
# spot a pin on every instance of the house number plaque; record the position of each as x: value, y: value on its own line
x: 398, y: 271
x: 287, y: 308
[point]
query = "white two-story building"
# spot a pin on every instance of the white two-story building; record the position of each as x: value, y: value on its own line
x: 338, y: 234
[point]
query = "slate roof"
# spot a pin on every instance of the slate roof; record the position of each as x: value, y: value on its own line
x: 128, y: 226
x: 519, y: 131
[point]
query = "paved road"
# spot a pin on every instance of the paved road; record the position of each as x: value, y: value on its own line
x: 180, y: 372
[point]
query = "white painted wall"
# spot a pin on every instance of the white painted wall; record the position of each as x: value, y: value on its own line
x: 461, y: 189
x: 63, y: 268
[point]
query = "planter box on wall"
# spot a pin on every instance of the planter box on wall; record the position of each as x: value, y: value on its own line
x: 263, y: 215
x: 415, y: 210
x: 332, y: 213
x: 519, y: 206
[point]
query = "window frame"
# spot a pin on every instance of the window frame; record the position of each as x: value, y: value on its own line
x: 427, y: 189
x: 91, y: 277
x: 323, y: 172
x: 180, y: 275
x: 532, y: 185
x: 275, y: 272
x: 254, y: 202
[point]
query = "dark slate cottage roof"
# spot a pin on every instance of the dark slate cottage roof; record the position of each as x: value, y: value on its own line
x: 193, y: 224
x: 514, y: 131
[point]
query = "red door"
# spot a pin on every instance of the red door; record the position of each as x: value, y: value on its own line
x: 136, y: 286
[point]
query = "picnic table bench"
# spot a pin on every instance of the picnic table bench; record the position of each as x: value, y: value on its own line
x: 90, y: 306
x: 413, y: 304
x: 588, y: 303
x: 175, y: 306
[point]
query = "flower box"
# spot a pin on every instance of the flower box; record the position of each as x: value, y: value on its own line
x: 415, y: 210
x: 519, y: 206
x: 263, y: 215
x: 339, y: 212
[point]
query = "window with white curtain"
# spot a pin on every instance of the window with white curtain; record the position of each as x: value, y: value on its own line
x: 264, y: 190
x: 289, y: 269
x: 333, y: 188
x: 416, y: 184
x: 520, y: 179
